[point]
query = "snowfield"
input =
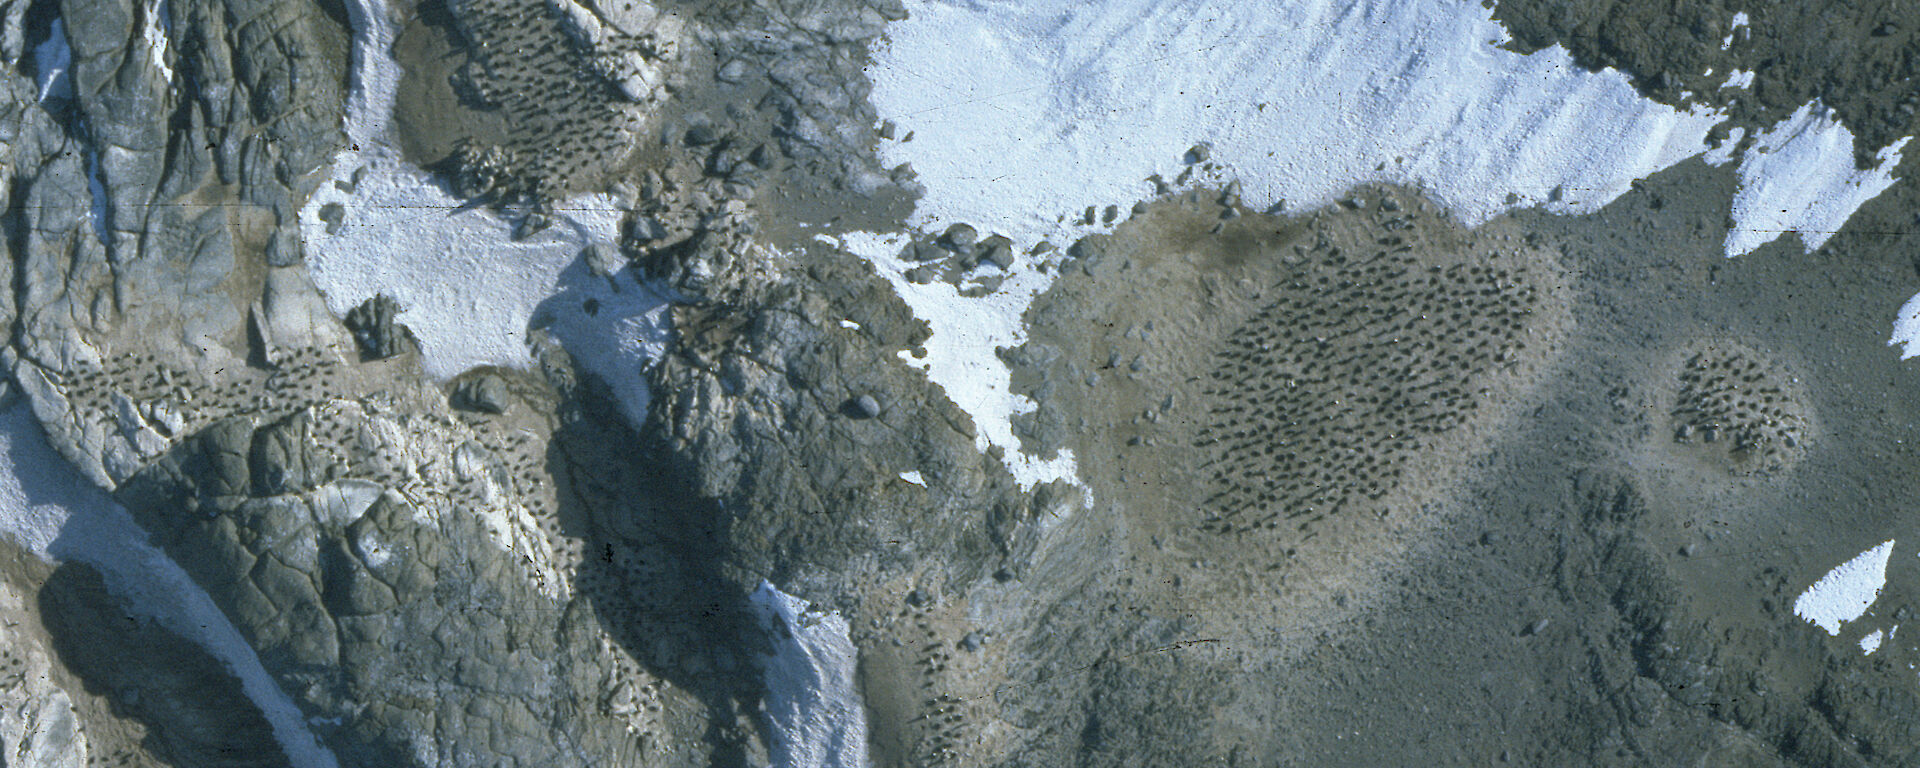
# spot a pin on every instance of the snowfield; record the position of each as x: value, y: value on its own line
x: 466, y: 288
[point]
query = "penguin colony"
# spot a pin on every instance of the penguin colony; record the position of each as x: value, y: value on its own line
x: 175, y: 402
x: 568, y: 112
x: 13, y: 670
x: 1731, y: 399
x: 1359, y: 363
x: 348, y: 437
x: 946, y: 729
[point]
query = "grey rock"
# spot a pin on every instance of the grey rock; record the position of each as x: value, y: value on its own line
x: 734, y: 71
x: 960, y: 236
x: 279, y: 460
x: 864, y: 407
x: 998, y: 251
x: 703, y: 133
x: 918, y: 251
x: 482, y: 393
x: 374, y: 329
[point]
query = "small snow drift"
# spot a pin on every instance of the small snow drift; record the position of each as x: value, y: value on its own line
x: 1798, y: 177
x: 812, y: 705
x: 53, y: 65
x: 1906, y: 329
x: 1846, y: 592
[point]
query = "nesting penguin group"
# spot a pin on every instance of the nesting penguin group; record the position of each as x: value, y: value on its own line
x: 568, y: 101
x: 1732, y: 401
x: 1358, y: 364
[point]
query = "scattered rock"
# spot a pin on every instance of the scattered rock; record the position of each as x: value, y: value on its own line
x: 702, y: 133
x: 334, y: 215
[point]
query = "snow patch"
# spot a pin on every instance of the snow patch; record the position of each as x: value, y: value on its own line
x: 466, y: 288
x: 1906, y: 329
x: 1845, y: 593
x: 615, y: 326
x: 1739, y: 22
x: 812, y: 703
x: 1798, y: 177
x: 960, y: 353
x: 914, y: 477
x: 1739, y: 78
x: 51, y: 510
x: 153, y: 31
x: 1871, y: 642
x: 1723, y: 153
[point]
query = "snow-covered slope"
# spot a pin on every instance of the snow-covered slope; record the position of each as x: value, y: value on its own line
x: 812, y: 702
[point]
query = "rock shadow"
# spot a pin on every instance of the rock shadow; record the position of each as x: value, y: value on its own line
x: 650, y: 567
x: 194, y: 709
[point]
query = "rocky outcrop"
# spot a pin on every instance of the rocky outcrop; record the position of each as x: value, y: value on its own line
x: 361, y: 545
x: 375, y: 331
x: 801, y: 427
x: 152, y: 209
